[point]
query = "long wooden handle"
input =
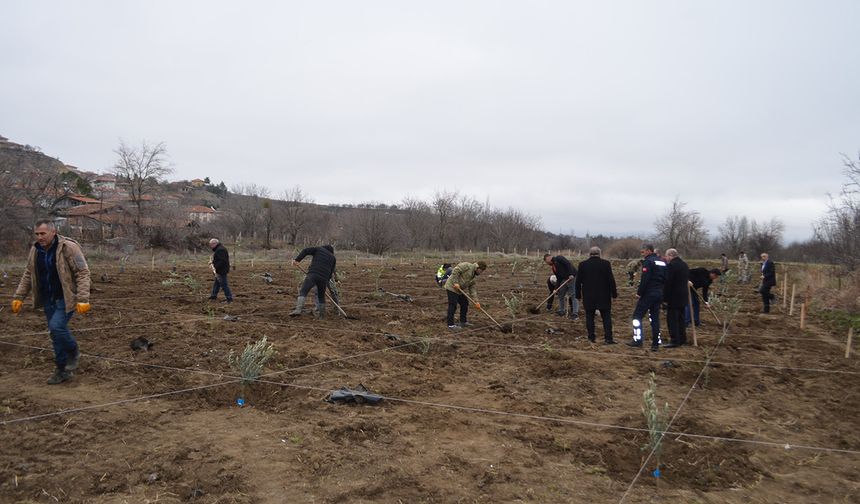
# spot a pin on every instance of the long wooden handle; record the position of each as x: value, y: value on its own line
x: 481, y: 308
x: 553, y: 292
x: 693, y: 325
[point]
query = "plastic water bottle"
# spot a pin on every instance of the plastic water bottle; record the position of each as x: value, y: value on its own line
x: 240, y: 402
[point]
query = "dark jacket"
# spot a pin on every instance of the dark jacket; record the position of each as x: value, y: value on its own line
x: 676, y: 292
x: 562, y: 269
x: 221, y: 259
x: 768, y: 270
x: 701, y: 279
x: 653, y: 275
x: 323, y: 263
x: 595, y: 284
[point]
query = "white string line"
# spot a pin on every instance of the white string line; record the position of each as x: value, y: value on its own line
x: 679, y: 434
x: 675, y: 416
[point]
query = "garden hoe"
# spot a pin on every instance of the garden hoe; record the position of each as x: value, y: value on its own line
x: 327, y: 295
x: 707, y: 305
x: 507, y: 328
x: 536, y: 309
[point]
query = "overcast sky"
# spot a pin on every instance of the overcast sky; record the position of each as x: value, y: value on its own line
x: 593, y: 116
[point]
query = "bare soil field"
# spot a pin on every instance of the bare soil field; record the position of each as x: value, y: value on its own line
x: 540, y: 415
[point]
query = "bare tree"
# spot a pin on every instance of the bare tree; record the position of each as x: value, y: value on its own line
x: 376, y: 230
x: 839, y: 229
x: 766, y: 236
x: 734, y: 234
x: 418, y: 221
x: 295, y: 212
x: 681, y: 229
x: 445, y: 206
x: 141, y: 168
x: 245, y: 204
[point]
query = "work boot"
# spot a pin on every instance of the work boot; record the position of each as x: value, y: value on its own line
x: 73, y: 361
x: 300, y: 303
x: 655, y: 348
x: 672, y: 344
x: 59, y: 376
x: 634, y: 343
x: 609, y: 341
x: 321, y: 311
x: 592, y: 338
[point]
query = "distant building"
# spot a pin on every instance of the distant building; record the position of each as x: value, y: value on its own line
x: 106, y: 182
x: 198, y: 182
x: 201, y: 214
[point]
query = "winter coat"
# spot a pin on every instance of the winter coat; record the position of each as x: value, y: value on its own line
x: 676, y: 291
x: 71, y: 268
x: 562, y: 269
x: 653, y: 275
x: 221, y: 259
x: 323, y: 263
x: 768, y: 270
x: 463, y: 274
x: 701, y: 279
x: 595, y: 284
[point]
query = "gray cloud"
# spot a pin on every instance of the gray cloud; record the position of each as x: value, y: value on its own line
x: 593, y: 117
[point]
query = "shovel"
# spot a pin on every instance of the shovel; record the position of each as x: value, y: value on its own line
x: 536, y: 309
x: 327, y: 295
x: 507, y: 328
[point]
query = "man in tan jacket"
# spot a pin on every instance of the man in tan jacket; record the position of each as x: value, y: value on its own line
x: 462, y: 280
x: 58, y: 275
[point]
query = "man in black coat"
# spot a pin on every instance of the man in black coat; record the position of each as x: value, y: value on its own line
x: 319, y: 273
x: 768, y: 281
x: 676, y: 296
x: 220, y: 266
x: 595, y: 286
x: 563, y: 271
x: 700, y: 278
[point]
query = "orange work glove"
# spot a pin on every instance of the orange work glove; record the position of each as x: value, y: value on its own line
x: 16, y: 305
x: 457, y: 286
x: 478, y: 305
x: 82, y: 308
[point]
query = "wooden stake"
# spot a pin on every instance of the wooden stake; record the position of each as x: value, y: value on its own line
x: 152, y: 265
x: 802, y: 315
x: 693, y: 325
x: 252, y: 262
x: 784, y: 290
x: 848, y: 343
x: 791, y: 306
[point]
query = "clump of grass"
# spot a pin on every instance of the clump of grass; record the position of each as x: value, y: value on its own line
x: 251, y: 361
x: 655, y: 417
x: 191, y: 282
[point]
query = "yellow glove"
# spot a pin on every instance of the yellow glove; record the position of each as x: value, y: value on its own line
x: 82, y: 308
x: 478, y: 305
x: 456, y: 286
x: 16, y: 305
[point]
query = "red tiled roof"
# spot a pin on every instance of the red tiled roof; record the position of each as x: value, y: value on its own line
x: 200, y: 209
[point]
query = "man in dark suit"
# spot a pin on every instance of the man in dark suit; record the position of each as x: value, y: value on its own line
x: 676, y: 296
x: 595, y: 286
x: 768, y: 280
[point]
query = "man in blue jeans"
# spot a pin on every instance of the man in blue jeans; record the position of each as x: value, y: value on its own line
x: 58, y: 275
x: 220, y: 266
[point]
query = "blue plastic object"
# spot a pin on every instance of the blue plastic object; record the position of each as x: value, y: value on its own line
x: 657, y: 472
x: 240, y: 402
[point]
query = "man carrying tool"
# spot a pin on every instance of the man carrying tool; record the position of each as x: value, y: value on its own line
x: 319, y: 273
x: 743, y: 268
x: 564, y: 272
x: 650, y: 295
x: 633, y: 267
x: 462, y: 281
x: 220, y: 266
x: 595, y: 285
x: 700, y: 278
x: 676, y: 294
x: 59, y: 277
